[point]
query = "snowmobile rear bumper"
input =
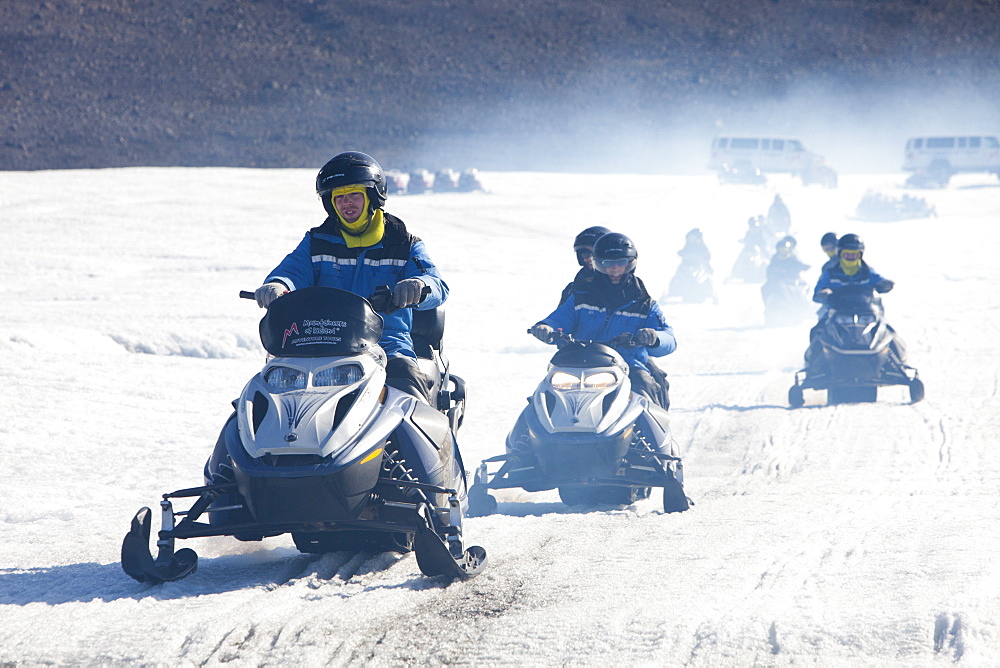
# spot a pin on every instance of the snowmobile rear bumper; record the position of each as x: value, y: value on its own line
x: 437, y: 541
x: 520, y: 471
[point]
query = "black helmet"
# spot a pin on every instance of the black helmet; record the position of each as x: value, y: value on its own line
x: 348, y: 169
x: 585, y: 240
x: 589, y: 237
x: 850, y: 242
x: 615, y: 246
x: 829, y: 239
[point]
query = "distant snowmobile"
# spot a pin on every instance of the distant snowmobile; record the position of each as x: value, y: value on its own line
x: 751, y: 264
x: 586, y: 433
x: 693, y: 281
x: 468, y: 181
x: 855, y: 352
x: 741, y: 172
x: 787, y: 298
x: 319, y: 447
x: 875, y: 206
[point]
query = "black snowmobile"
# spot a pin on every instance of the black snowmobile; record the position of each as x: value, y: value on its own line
x: 854, y: 352
x: 587, y: 434
x: 321, y: 448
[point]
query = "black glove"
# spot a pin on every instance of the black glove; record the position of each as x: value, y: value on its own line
x: 542, y: 332
x: 647, y: 337
x: 624, y: 340
x: 823, y: 295
x: 884, y: 285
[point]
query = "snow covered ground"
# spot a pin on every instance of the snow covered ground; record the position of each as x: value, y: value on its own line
x: 854, y: 534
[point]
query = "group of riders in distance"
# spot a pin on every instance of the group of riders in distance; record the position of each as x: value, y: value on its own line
x: 347, y: 438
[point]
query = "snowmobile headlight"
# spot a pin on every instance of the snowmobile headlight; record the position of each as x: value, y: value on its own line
x: 344, y: 374
x: 561, y: 380
x: 600, y: 380
x: 285, y: 378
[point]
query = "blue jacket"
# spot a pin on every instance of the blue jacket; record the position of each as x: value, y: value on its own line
x: 834, y: 277
x: 596, y: 311
x: 323, y: 259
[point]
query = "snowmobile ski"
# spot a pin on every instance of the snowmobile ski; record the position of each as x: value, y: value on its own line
x: 138, y: 562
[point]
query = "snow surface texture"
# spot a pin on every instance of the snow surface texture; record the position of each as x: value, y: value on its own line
x: 860, y: 534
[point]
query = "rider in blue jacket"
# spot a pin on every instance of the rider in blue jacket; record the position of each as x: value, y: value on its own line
x: 613, y: 304
x: 846, y: 269
x: 359, y: 248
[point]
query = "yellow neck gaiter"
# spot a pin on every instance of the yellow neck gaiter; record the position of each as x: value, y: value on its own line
x: 366, y: 230
x: 850, y: 268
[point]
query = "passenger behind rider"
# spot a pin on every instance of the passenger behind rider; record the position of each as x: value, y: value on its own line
x: 358, y: 248
x: 829, y: 245
x: 583, y: 245
x: 613, y: 302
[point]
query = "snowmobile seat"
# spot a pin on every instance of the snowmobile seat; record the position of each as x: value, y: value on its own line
x: 427, y: 331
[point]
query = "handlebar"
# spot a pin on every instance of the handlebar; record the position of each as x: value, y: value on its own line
x: 381, y: 300
x: 623, y: 340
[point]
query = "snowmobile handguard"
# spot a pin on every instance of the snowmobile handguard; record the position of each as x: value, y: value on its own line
x: 381, y: 300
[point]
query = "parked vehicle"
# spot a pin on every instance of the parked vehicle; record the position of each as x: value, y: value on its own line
x: 934, y: 160
x: 770, y: 154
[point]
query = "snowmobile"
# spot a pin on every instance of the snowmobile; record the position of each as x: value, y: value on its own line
x: 585, y: 433
x: 692, y: 282
x: 741, y: 172
x: 875, y: 206
x: 321, y: 448
x: 468, y: 181
x: 854, y: 352
x: 751, y: 264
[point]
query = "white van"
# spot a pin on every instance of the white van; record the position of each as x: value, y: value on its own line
x: 942, y: 157
x: 770, y: 154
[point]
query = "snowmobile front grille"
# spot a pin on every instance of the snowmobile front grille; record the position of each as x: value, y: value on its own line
x: 292, y: 460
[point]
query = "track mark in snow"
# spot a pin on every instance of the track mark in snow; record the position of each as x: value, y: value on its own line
x: 232, y: 643
x: 772, y: 639
x: 948, y: 636
x: 944, y: 450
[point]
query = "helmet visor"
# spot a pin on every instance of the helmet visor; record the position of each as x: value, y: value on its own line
x: 850, y: 255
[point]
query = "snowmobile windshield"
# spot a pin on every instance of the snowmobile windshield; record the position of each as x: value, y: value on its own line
x: 860, y: 300
x: 319, y: 322
x: 584, y: 355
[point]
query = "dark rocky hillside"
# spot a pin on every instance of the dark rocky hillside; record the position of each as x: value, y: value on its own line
x: 536, y: 84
